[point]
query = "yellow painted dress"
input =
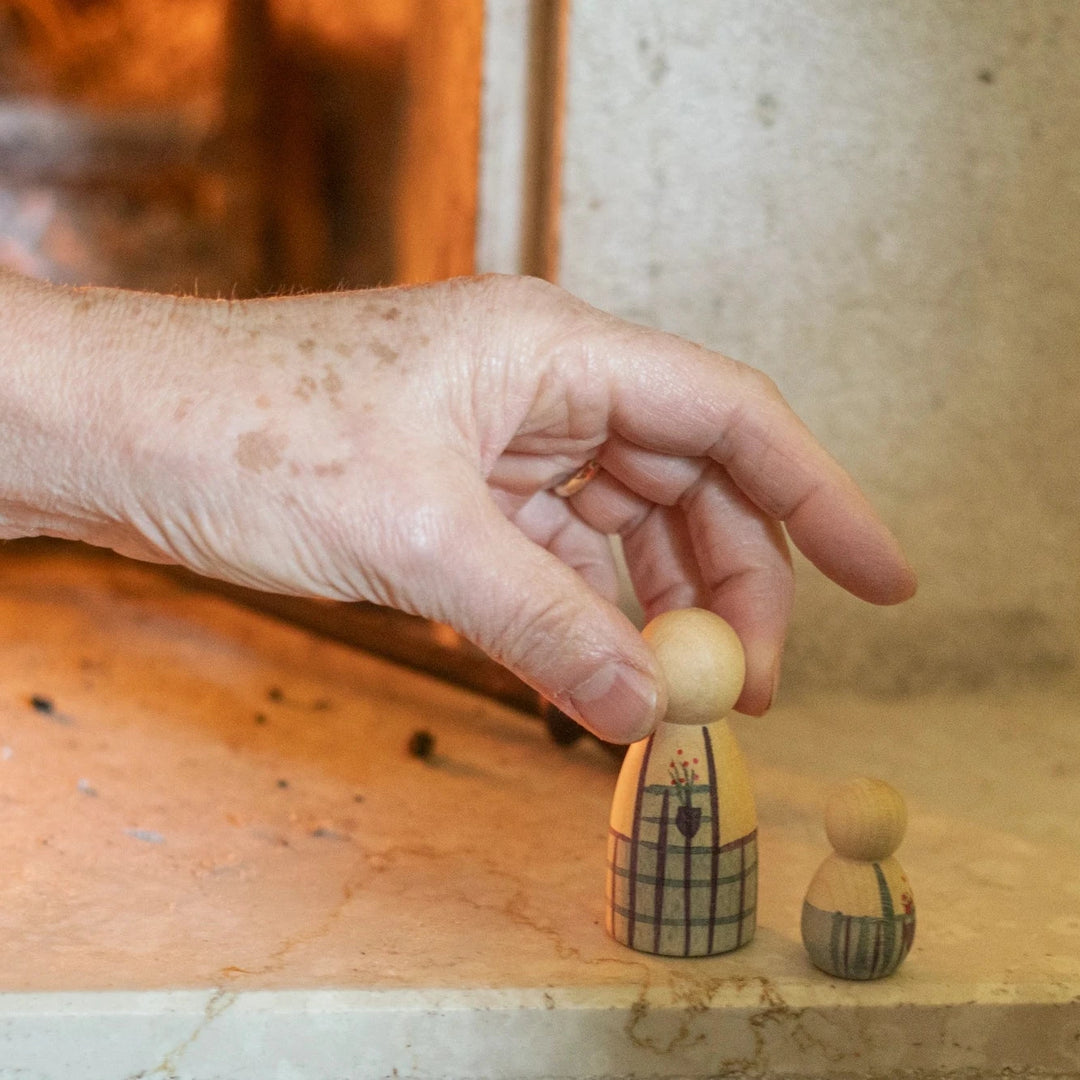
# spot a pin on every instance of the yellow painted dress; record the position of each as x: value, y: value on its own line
x: 682, y: 844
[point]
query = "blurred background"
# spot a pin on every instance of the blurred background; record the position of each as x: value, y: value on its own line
x: 233, y: 147
x: 878, y: 205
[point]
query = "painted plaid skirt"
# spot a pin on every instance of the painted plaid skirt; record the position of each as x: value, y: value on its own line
x: 857, y: 946
x: 673, y: 889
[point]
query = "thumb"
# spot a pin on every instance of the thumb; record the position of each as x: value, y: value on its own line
x: 535, y: 615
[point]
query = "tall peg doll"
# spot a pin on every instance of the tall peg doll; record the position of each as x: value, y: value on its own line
x: 682, y: 846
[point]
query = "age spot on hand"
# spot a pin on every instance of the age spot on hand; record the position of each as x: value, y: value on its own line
x: 331, y: 382
x: 305, y: 388
x: 260, y: 450
x: 385, y: 354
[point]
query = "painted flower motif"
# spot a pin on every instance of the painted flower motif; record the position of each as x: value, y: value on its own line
x: 683, y: 778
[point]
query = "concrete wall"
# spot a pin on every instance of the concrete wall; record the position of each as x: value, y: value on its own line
x: 879, y: 205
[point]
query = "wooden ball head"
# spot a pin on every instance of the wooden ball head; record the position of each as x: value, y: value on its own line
x: 858, y: 919
x: 865, y: 819
x: 702, y: 661
x: 682, y: 847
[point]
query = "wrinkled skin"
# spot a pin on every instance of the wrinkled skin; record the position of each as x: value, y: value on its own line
x: 400, y: 445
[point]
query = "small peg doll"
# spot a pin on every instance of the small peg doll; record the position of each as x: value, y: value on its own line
x: 682, y: 847
x: 858, y: 919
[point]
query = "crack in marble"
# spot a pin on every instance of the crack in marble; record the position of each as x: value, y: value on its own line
x: 275, y: 960
x: 696, y: 1000
x: 218, y: 1003
x: 641, y: 1010
x: 515, y: 909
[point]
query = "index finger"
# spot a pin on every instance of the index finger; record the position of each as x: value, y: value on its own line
x: 678, y: 398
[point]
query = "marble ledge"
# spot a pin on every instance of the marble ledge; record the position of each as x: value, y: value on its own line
x: 450, y: 1035
x: 222, y: 861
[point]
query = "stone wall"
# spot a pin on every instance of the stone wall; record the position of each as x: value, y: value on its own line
x: 879, y: 205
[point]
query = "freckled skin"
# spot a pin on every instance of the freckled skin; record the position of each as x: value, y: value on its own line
x: 384, y: 353
x: 331, y: 382
x: 261, y: 450
x: 305, y: 388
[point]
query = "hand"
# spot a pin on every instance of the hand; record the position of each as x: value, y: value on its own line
x: 400, y: 446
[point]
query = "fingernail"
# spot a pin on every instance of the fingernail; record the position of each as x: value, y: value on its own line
x: 763, y: 678
x: 618, y: 703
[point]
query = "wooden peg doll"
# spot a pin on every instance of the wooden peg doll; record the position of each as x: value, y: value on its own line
x: 858, y: 919
x: 682, y: 847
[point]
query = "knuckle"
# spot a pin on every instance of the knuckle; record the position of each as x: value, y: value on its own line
x: 758, y: 384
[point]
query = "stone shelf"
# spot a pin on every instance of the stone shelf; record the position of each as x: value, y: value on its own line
x: 222, y: 860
